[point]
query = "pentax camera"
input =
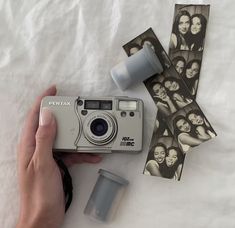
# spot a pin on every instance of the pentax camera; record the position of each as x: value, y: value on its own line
x: 97, y: 125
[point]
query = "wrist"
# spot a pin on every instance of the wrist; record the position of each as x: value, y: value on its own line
x: 36, y: 222
x: 27, y: 224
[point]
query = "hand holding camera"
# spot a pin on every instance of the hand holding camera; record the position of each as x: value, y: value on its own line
x: 93, y: 125
x: 42, y: 201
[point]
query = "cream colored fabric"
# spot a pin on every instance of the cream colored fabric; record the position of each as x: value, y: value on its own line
x: 74, y: 44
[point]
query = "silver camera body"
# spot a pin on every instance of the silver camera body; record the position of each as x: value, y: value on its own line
x: 97, y: 125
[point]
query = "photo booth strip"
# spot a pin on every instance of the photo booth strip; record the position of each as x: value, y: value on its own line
x: 162, y: 129
x: 186, y: 50
x: 173, y: 102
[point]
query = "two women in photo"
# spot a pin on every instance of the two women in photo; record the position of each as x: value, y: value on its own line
x: 191, y: 130
x: 169, y: 95
x: 188, y: 31
x: 189, y: 71
x: 165, y: 161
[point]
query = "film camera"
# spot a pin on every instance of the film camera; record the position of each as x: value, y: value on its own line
x: 97, y: 125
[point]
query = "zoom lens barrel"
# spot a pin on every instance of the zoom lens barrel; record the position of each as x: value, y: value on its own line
x: 100, y: 128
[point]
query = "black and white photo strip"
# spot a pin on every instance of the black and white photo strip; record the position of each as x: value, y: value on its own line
x: 161, y: 131
x: 168, y: 90
x: 165, y: 158
x: 171, y: 95
x: 187, y: 42
x: 190, y: 127
x: 189, y: 27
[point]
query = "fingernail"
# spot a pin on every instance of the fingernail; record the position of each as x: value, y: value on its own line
x: 52, y: 88
x: 45, y: 117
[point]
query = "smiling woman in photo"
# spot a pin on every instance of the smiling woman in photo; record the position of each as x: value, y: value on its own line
x: 203, y: 131
x: 186, y: 137
x: 197, y: 32
x: 163, y: 102
x: 174, y: 160
x: 180, y: 31
x: 192, y: 75
x: 158, y: 153
x: 175, y: 91
x: 179, y: 64
x: 164, y: 162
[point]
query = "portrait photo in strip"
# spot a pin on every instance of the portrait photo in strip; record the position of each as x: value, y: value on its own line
x: 165, y: 158
x: 188, y: 66
x: 187, y: 42
x: 189, y: 27
x: 168, y: 92
x: 190, y: 127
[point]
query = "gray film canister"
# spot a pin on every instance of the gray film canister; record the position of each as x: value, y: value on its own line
x: 106, y: 196
x: 136, y: 68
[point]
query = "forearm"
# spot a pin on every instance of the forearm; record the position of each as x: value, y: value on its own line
x: 153, y: 168
x: 154, y: 171
x: 35, y: 223
x: 191, y: 141
x: 181, y: 104
x: 204, y: 137
x: 202, y: 134
x: 39, y: 218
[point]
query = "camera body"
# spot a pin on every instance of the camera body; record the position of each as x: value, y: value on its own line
x: 97, y: 125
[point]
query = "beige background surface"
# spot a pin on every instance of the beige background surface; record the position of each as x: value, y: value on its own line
x: 74, y: 44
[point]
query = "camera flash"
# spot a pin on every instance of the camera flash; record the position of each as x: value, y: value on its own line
x: 127, y: 105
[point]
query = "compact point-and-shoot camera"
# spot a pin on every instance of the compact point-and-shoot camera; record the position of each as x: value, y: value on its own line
x: 97, y: 125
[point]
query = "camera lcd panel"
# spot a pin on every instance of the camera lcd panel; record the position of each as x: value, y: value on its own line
x: 106, y: 105
x: 89, y: 104
x: 127, y: 105
x: 98, y: 104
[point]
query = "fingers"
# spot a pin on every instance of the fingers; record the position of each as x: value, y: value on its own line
x: 27, y: 141
x: 76, y: 158
x: 45, y: 135
x: 31, y: 123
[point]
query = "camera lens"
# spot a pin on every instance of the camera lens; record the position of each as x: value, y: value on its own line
x: 99, y: 127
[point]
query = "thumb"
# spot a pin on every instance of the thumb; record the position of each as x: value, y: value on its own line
x: 45, y: 134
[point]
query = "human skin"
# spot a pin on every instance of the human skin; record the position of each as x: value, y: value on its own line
x: 195, y: 119
x: 179, y: 67
x: 172, y: 85
x: 193, y: 70
x: 181, y: 101
x: 160, y: 92
x: 159, y: 154
x: 181, y: 28
x: 184, y: 24
x: 40, y: 181
x: 153, y: 165
x: 196, y: 25
x: 183, y: 125
x: 185, y: 137
x: 171, y: 158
